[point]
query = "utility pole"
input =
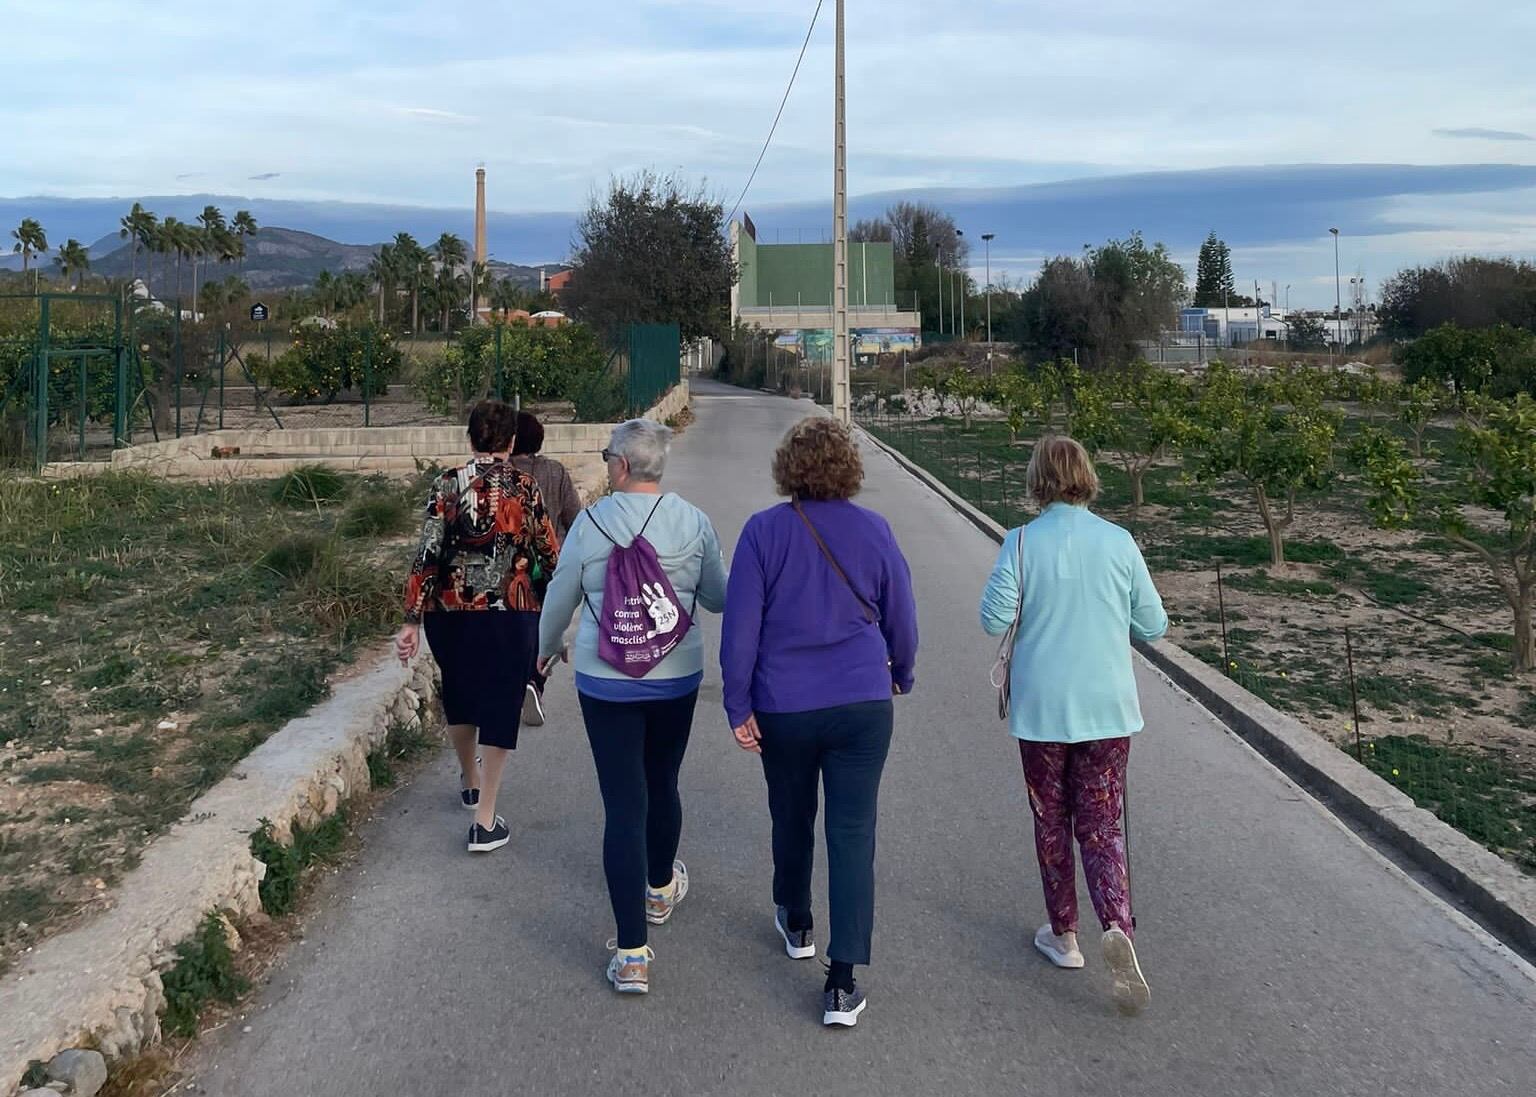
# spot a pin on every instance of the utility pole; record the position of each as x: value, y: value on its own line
x: 840, y: 402
x: 1338, y: 301
x: 987, y: 238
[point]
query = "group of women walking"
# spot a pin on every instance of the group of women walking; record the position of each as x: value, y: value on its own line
x: 819, y: 633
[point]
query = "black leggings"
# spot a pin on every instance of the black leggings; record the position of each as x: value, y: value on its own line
x: 638, y: 747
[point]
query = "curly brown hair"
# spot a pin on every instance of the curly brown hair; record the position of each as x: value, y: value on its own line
x: 818, y: 459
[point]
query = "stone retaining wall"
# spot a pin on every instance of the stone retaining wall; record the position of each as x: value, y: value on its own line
x: 393, y: 451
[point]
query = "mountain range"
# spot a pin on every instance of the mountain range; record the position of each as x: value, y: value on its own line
x: 1275, y: 217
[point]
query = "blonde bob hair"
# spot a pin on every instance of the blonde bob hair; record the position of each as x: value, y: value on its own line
x: 1060, y: 471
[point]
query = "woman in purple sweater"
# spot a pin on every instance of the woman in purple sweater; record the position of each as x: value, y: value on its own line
x: 820, y: 631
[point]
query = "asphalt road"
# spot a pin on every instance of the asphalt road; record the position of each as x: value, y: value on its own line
x: 1284, y: 956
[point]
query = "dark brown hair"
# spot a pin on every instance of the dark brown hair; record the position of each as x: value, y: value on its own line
x: 1060, y: 471
x: 818, y: 459
x: 492, y: 426
x: 530, y: 434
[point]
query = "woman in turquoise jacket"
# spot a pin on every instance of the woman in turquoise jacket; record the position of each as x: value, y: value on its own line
x: 1080, y: 591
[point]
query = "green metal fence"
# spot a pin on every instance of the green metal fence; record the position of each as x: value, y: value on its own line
x: 654, y: 365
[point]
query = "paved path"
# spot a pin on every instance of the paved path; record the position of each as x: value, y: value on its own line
x: 1284, y: 957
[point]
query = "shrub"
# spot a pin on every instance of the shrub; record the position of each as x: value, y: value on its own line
x: 375, y: 515
x: 538, y: 363
x: 309, y: 486
x: 324, y: 362
x: 295, y: 556
x: 599, y: 397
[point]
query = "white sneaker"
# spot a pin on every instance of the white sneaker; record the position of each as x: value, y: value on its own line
x: 533, y: 708
x: 1132, y: 994
x: 660, y: 905
x: 1059, y: 949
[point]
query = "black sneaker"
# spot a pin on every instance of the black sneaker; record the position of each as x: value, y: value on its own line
x: 484, y: 841
x: 842, y: 1007
x: 798, y: 943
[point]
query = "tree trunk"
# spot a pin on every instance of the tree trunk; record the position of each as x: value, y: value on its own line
x: 1525, y: 635
x: 1274, y: 525
x: 415, y: 312
x: 381, y: 304
x: 1138, y: 494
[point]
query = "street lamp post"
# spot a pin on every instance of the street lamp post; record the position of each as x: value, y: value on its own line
x: 987, y: 238
x: 1338, y: 300
x: 940, y: 264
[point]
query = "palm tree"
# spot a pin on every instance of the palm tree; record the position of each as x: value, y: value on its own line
x: 148, y: 233
x: 480, y: 282
x: 30, y: 240
x: 412, y: 259
x: 450, y: 252
x: 325, y: 292
x: 173, y: 238
x: 244, y: 225
x: 133, y: 226
x: 73, y: 259
x: 354, y: 288
x: 506, y: 295
x: 381, y: 268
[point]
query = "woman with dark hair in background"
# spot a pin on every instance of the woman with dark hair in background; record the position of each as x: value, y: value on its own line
x: 563, y: 502
x: 488, y: 550
x: 820, y: 630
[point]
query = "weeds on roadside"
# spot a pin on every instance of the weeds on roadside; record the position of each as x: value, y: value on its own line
x: 204, y: 972
x: 279, y: 889
x: 404, y: 742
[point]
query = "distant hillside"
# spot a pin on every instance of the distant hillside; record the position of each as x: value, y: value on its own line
x: 278, y: 258
x: 523, y: 238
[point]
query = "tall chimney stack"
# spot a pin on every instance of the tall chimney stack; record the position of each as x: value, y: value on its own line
x: 480, y: 256
x: 480, y: 253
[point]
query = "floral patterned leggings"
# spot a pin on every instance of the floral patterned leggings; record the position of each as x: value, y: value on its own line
x: 1080, y: 788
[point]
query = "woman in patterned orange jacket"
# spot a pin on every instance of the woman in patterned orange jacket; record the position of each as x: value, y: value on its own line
x: 488, y: 549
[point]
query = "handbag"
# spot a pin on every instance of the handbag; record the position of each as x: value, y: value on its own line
x: 870, y: 613
x: 1002, y: 670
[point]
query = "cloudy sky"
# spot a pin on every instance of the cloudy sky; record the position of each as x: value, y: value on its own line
x: 395, y: 101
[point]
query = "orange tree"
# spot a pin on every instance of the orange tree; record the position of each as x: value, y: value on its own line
x: 1272, y: 433
x: 1486, y: 506
x: 1137, y: 416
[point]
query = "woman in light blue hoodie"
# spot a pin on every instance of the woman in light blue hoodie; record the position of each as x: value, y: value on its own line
x: 638, y: 727
x: 1080, y: 591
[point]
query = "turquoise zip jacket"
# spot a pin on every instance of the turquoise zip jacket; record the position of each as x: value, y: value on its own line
x: 1087, y: 593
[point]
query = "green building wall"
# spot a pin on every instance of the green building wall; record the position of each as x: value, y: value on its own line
x: 786, y: 275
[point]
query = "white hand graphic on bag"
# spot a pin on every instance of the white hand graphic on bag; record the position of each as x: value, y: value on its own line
x: 662, y: 612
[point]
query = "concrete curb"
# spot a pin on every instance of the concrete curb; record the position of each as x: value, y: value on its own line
x: 101, y: 982
x: 1501, y: 895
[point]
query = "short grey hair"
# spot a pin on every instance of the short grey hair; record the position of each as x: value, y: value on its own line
x: 644, y: 444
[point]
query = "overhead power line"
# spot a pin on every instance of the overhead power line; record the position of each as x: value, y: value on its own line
x: 782, y: 104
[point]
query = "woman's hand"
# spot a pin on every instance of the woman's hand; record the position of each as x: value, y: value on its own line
x: 895, y: 689
x: 407, y: 642
x: 546, y: 664
x: 748, y: 737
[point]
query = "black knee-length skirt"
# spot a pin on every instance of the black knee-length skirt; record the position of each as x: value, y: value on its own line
x: 486, y: 658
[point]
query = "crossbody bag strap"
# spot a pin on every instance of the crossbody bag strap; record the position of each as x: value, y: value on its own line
x: 869, y: 613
